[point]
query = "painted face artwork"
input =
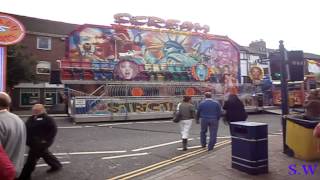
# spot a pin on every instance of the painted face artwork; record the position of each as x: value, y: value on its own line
x: 89, y: 38
x: 226, y: 69
x: 144, y: 48
x: 256, y: 73
x: 202, y: 72
x: 128, y: 70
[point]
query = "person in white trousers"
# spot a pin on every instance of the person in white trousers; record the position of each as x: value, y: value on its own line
x: 187, y: 111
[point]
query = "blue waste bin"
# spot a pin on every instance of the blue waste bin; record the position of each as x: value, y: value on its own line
x: 249, y: 147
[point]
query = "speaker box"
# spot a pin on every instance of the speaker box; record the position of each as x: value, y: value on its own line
x: 275, y: 65
x: 296, y: 65
x: 55, y: 77
x: 295, y: 62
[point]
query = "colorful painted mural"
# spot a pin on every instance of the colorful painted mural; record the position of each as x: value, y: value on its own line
x: 134, y: 53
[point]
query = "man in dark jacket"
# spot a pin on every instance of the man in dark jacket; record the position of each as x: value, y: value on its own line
x: 209, y: 112
x: 41, y: 130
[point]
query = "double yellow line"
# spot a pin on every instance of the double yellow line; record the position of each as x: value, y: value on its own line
x: 161, y: 164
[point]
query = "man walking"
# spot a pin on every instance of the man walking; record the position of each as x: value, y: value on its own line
x: 209, y: 112
x: 41, y: 131
x: 12, y: 133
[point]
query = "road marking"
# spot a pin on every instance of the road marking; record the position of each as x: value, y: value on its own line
x: 45, y: 165
x: 70, y: 127
x: 89, y: 126
x: 153, y: 165
x: 114, y: 124
x: 153, y: 122
x: 126, y: 155
x: 87, y: 153
x: 190, y: 147
x: 279, y: 133
x: 159, y: 145
x: 61, y: 157
x: 144, y: 170
x: 173, y: 161
x: 221, y: 137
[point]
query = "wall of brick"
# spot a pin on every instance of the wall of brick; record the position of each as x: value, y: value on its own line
x: 57, y: 49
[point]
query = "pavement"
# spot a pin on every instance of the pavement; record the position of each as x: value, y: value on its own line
x: 216, y: 165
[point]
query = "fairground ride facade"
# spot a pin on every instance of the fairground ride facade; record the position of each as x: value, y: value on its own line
x: 126, y: 72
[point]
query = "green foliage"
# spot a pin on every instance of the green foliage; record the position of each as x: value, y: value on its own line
x: 21, y: 66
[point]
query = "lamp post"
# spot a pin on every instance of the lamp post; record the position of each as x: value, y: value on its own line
x: 284, y: 68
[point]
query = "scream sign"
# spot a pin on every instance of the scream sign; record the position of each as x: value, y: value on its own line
x: 11, y: 30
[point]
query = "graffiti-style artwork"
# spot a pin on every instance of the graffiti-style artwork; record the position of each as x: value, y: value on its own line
x: 140, y: 54
x: 107, y: 107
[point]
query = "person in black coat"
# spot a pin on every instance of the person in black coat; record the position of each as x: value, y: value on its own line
x: 235, y: 110
x: 41, y: 131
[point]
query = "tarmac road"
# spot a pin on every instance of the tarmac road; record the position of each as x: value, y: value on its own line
x: 96, y: 151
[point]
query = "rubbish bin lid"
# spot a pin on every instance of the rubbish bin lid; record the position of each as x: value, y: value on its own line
x: 245, y: 123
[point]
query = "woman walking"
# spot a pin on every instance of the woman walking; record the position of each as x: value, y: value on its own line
x: 187, y: 111
x: 235, y: 110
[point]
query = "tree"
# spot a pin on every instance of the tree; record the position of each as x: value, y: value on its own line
x: 21, y: 66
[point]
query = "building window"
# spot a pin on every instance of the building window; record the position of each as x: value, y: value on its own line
x: 266, y: 71
x: 29, y: 97
x: 244, y: 67
x: 243, y: 55
x: 44, y: 43
x: 50, y: 96
x: 43, y: 67
x: 262, y: 49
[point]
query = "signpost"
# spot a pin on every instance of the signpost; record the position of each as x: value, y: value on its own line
x: 284, y: 92
x: 11, y: 32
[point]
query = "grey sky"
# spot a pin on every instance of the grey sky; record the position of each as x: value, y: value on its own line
x: 294, y: 21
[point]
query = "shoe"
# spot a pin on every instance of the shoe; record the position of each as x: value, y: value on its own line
x: 52, y: 170
x: 184, y: 144
x: 203, y: 146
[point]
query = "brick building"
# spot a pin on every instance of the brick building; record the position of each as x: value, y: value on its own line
x: 45, y: 40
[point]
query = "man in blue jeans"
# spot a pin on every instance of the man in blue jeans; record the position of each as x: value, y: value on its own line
x: 209, y: 112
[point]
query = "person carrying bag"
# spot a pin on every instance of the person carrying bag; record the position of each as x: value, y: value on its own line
x: 185, y: 114
x: 176, y: 114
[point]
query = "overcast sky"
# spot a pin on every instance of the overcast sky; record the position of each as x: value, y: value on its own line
x: 297, y: 22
